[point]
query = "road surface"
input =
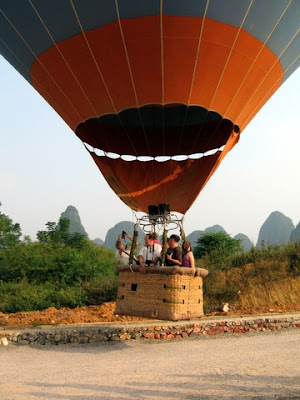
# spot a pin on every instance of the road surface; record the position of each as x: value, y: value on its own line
x: 249, y: 366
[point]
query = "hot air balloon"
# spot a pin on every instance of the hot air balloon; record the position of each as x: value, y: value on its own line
x: 157, y: 90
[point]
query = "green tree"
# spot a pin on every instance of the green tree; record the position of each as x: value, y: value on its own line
x: 218, y: 248
x: 216, y: 241
x: 58, y: 235
x: 10, y: 233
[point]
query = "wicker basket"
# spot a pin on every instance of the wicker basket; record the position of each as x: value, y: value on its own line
x: 170, y: 293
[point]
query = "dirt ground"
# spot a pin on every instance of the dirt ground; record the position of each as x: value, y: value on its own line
x: 105, y: 313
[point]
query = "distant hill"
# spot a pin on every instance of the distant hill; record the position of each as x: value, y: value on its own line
x: 295, y: 234
x: 194, y: 236
x: 276, y: 229
x: 112, y: 234
x: 246, y: 243
x: 75, y: 223
x: 98, y: 241
x: 214, y: 228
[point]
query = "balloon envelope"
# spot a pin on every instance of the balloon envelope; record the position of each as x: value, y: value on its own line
x: 154, y: 80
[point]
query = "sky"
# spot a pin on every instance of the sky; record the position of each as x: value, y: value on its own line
x: 44, y: 168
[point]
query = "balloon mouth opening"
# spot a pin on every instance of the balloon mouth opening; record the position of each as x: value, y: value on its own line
x: 157, y: 132
x: 160, y: 158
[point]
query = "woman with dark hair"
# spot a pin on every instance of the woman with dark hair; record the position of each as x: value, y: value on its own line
x: 188, y: 259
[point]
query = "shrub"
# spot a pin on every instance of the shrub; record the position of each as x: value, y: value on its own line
x: 23, y: 296
x: 217, y: 248
x: 36, y: 276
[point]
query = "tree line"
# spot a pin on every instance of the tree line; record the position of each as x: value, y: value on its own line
x: 64, y: 269
x: 60, y: 269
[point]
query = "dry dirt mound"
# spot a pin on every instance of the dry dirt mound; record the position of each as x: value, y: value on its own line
x: 102, y: 313
x: 105, y: 313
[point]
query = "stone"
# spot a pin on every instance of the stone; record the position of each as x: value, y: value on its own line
x: 148, y: 335
x: 4, y: 341
x: 125, y: 336
x: 214, y: 331
x: 137, y: 335
x: 150, y: 328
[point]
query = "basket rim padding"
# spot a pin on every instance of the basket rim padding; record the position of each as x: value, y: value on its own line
x: 165, y: 270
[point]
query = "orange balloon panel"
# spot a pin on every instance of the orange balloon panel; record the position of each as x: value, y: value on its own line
x: 178, y: 183
x: 118, y: 69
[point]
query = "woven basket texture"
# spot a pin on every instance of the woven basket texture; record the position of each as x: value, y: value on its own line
x: 159, y: 295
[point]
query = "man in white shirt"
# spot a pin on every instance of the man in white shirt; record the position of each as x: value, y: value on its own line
x: 149, y: 254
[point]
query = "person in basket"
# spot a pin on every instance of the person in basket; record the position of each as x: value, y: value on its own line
x: 188, y: 259
x: 122, y: 254
x: 149, y: 254
x: 173, y: 256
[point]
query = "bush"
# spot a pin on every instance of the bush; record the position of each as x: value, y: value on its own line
x: 37, y: 276
x: 289, y: 255
x: 217, y: 248
x: 23, y: 296
x: 256, y: 267
x: 100, y: 290
x: 26, y: 296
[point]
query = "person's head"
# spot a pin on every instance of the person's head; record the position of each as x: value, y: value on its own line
x: 149, y: 239
x: 186, y: 246
x: 154, y: 234
x: 173, y: 241
x: 120, y: 245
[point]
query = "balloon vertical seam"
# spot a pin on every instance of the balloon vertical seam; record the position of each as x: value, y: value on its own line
x: 221, y: 77
x: 272, y: 67
x: 40, y: 63
x: 254, y: 61
x: 131, y: 75
x: 194, y: 70
x: 267, y: 95
x: 62, y: 56
x: 93, y: 56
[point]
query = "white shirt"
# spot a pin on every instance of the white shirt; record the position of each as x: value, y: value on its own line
x: 123, y: 257
x: 150, y: 252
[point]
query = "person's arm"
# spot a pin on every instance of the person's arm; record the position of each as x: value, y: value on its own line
x: 141, y: 260
x: 130, y: 238
x: 155, y: 261
x: 157, y: 254
x: 173, y: 260
x: 143, y: 265
x: 192, y: 259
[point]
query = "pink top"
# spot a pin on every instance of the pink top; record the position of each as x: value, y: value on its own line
x: 185, y: 261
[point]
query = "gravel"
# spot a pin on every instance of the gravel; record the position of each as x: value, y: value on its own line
x: 251, y: 366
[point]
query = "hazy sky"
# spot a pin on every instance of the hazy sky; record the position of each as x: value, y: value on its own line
x: 44, y: 168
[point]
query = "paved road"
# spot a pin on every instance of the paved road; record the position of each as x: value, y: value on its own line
x: 251, y: 366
